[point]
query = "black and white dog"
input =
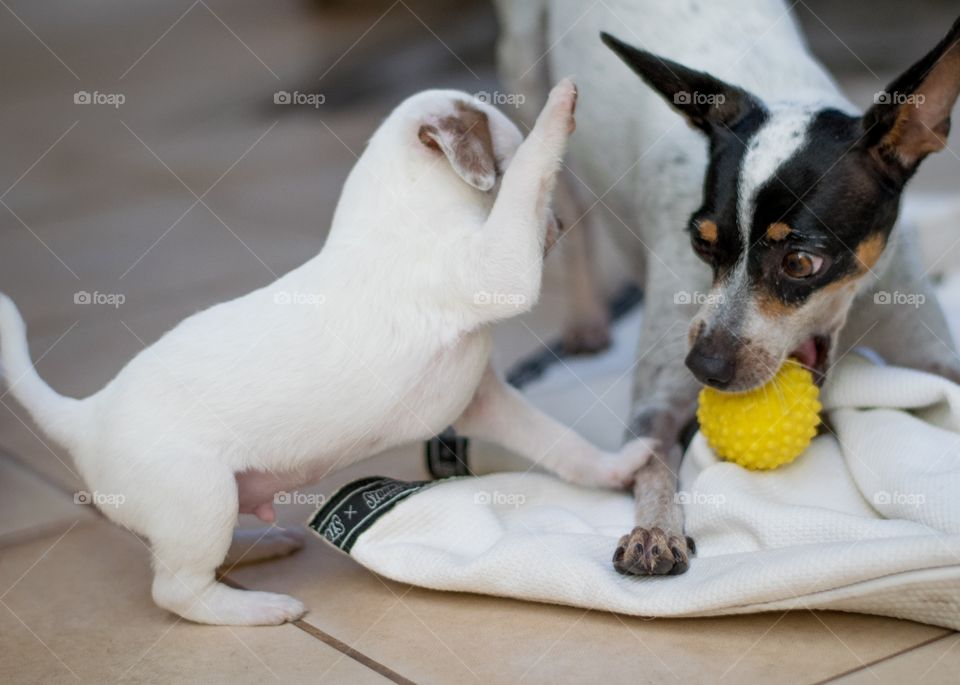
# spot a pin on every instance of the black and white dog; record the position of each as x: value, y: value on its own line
x: 786, y: 193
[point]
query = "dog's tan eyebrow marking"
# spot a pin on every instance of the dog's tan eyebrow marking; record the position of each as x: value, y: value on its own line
x: 708, y: 230
x: 869, y: 251
x: 771, y: 306
x: 778, y: 231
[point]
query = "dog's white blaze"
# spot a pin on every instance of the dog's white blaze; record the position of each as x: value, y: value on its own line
x: 776, y: 142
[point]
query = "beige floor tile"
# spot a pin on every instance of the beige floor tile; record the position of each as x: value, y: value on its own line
x: 30, y: 507
x: 435, y: 637
x: 79, y: 605
x: 932, y: 664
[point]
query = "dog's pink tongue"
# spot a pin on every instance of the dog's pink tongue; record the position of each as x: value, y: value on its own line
x: 806, y: 354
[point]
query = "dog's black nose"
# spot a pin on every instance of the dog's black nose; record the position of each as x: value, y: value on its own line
x: 716, y: 371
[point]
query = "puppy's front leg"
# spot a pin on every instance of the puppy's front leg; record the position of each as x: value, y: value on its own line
x: 508, y: 253
x: 502, y: 415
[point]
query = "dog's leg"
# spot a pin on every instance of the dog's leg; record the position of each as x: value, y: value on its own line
x: 521, y: 45
x: 587, y: 328
x: 507, y: 254
x: 664, y: 402
x: 190, y: 538
x: 502, y: 415
x: 258, y: 544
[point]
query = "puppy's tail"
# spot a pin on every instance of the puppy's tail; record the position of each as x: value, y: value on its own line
x: 60, y: 417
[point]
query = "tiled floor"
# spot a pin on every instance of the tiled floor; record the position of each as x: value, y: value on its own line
x: 102, y: 199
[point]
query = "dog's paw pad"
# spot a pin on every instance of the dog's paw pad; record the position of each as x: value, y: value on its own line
x: 651, y: 552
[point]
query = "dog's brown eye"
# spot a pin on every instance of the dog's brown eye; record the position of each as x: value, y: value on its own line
x: 801, y: 264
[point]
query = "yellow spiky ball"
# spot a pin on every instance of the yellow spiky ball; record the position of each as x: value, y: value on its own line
x: 766, y: 427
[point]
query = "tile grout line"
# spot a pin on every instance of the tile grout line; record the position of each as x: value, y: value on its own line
x: 349, y: 651
x: 339, y: 645
x: 300, y: 624
x: 906, y: 650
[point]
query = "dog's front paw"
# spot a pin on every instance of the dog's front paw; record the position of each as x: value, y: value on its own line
x: 653, y: 552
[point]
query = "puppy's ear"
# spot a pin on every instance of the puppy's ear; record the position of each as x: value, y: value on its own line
x: 464, y: 137
x: 911, y: 118
x: 708, y: 103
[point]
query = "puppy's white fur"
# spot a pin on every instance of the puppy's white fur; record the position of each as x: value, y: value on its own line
x: 380, y: 339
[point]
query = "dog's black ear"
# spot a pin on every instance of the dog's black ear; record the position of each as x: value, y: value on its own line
x: 911, y: 118
x: 708, y: 103
x: 464, y: 138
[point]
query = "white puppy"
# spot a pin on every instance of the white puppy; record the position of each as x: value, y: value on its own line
x: 381, y: 339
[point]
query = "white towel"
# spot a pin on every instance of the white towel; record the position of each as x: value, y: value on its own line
x: 865, y: 520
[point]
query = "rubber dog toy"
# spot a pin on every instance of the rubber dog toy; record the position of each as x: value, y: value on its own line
x: 763, y: 428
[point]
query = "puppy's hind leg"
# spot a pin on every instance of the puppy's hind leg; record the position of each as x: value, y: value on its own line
x: 190, y: 536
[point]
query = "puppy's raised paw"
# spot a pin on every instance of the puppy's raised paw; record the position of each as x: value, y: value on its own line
x: 556, y: 122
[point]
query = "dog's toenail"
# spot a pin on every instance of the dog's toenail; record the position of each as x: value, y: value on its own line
x: 618, y: 555
x: 639, y: 548
x: 655, y: 550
